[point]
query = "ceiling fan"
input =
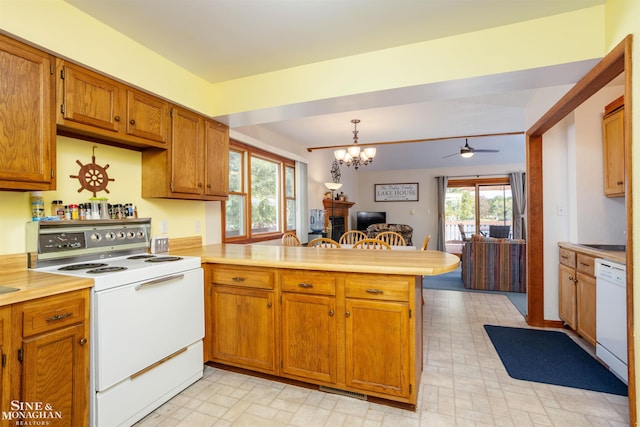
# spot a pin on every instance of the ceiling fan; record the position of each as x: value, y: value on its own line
x: 468, y: 151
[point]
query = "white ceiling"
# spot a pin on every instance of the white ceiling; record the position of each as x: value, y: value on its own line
x: 229, y: 39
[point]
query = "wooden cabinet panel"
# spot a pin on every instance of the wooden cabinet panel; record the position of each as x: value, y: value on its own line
x: 568, y: 258
x: 244, y: 328
x: 54, y: 370
x: 308, y: 282
x: 27, y: 126
x: 89, y: 98
x: 147, y: 116
x: 187, y: 137
x: 5, y: 348
x: 244, y: 276
x: 614, y: 154
x: 377, y: 287
x: 586, y: 311
x: 377, y: 346
x: 216, y: 166
x: 567, y: 295
x: 585, y: 264
x: 309, y: 342
x: 51, y: 313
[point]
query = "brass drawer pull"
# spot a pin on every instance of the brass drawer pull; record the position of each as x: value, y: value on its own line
x: 375, y: 291
x: 305, y: 285
x: 238, y: 279
x: 59, y: 317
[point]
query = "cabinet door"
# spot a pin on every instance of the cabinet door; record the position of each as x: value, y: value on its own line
x: 586, y: 293
x: 216, y: 166
x: 309, y: 339
x: 147, y: 116
x: 614, y: 157
x: 567, y: 295
x: 55, y: 370
x: 187, y: 140
x: 5, y: 345
x: 27, y: 127
x: 244, y: 327
x: 88, y: 98
x: 377, y: 346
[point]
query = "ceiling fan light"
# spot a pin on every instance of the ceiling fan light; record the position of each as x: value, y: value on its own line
x: 466, y: 154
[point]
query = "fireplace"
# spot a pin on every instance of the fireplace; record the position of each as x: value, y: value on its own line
x: 338, y: 227
x: 338, y: 214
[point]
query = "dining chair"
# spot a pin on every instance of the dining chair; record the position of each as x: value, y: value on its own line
x: 352, y: 237
x: 425, y: 243
x: 371, y: 244
x: 463, y: 234
x: 323, y: 242
x: 392, y: 238
x: 290, y: 239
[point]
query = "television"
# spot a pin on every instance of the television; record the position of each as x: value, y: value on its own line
x: 365, y: 219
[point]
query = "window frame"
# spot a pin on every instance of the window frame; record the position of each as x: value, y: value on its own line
x: 248, y: 152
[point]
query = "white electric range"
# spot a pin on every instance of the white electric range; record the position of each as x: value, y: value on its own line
x: 147, y: 312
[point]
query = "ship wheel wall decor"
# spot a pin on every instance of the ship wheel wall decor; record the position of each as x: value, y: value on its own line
x: 92, y: 177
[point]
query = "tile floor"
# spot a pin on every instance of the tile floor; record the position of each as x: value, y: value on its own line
x: 463, y: 384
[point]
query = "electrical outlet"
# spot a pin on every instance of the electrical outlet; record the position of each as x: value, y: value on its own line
x: 159, y: 245
x: 164, y: 227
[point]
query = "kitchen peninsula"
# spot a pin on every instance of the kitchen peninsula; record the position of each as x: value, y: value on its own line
x: 349, y: 321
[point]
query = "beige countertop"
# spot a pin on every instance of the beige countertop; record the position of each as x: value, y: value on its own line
x: 420, y: 263
x: 616, y: 256
x: 32, y: 285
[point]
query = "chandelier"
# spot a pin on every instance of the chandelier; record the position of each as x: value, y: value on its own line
x: 353, y: 155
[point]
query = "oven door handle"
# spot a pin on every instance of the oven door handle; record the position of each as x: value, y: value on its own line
x: 160, y: 281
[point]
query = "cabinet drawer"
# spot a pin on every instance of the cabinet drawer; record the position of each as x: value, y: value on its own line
x: 308, y: 282
x: 585, y: 264
x: 245, y: 276
x: 568, y: 257
x: 51, y: 313
x: 377, y: 287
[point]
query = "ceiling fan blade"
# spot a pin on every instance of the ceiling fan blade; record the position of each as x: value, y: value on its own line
x: 479, y: 150
x: 451, y: 155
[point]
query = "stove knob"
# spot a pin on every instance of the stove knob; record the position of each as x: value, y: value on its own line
x: 121, y: 235
x: 96, y: 237
x: 140, y: 234
x: 131, y: 234
x: 110, y: 235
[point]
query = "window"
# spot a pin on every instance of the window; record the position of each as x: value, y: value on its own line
x: 262, y: 200
x: 477, y: 204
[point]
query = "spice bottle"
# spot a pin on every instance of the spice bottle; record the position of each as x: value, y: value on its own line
x: 37, y: 206
x: 55, y: 205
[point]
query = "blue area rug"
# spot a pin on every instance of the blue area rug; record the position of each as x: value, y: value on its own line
x: 452, y: 281
x: 551, y: 357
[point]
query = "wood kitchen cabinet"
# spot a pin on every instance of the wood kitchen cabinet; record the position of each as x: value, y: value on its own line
x: 92, y: 105
x: 378, y: 331
x: 355, y: 332
x: 309, y: 326
x: 49, y: 355
x: 27, y: 118
x: 577, y: 293
x: 5, y: 353
x: 196, y: 164
x: 244, y: 318
x: 614, y: 151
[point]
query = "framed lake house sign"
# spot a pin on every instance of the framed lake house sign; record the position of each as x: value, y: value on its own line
x: 404, y: 192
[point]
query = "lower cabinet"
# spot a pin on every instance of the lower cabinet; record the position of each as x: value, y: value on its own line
x: 577, y: 293
x: 350, y: 331
x: 48, y: 357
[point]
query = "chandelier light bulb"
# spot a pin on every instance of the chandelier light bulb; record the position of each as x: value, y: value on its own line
x: 354, y: 155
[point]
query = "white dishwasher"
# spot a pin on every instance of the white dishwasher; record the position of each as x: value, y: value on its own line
x: 611, y: 316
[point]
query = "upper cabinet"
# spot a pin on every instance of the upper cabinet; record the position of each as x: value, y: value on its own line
x: 614, y: 152
x: 27, y: 126
x: 196, y: 164
x: 93, y: 105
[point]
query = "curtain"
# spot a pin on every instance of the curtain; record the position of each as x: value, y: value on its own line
x: 519, y: 197
x: 442, y: 194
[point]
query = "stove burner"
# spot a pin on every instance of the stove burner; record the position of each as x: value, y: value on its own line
x: 164, y: 259
x: 106, y: 270
x: 144, y: 256
x: 83, y: 266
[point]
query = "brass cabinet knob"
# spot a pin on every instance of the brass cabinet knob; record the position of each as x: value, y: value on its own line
x: 116, y: 118
x: 133, y: 122
x: 83, y: 341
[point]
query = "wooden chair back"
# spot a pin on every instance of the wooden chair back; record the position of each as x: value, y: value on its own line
x: 371, y: 244
x: 323, y: 242
x: 462, y: 233
x: 290, y: 239
x: 392, y: 238
x: 352, y: 237
x: 425, y: 243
